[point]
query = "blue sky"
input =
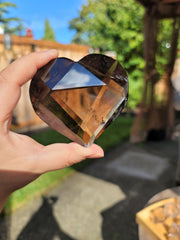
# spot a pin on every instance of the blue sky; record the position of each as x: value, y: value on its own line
x: 59, y: 13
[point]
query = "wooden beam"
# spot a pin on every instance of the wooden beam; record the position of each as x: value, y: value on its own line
x: 162, y: 8
x: 170, y: 1
x: 167, y: 10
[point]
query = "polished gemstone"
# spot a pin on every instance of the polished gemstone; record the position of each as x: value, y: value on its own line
x: 80, y: 99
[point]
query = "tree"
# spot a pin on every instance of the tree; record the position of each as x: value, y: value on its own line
x: 115, y: 25
x: 6, y: 21
x: 48, y: 32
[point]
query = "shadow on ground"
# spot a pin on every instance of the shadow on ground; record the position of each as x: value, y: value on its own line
x: 118, y: 220
x: 43, y: 224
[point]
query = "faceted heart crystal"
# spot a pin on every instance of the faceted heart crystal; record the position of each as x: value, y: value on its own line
x: 80, y: 99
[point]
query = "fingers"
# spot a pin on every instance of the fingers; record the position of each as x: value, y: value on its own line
x: 14, y: 76
x: 23, y: 69
x: 57, y: 156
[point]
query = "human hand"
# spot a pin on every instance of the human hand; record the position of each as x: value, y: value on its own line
x: 22, y: 159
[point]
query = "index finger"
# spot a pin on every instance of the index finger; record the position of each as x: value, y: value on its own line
x: 24, y: 68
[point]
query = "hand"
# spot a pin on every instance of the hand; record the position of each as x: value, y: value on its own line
x: 22, y: 159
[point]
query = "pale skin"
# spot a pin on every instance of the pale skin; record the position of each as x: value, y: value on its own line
x: 22, y: 159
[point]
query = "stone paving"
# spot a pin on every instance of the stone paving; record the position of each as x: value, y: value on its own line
x: 101, y: 201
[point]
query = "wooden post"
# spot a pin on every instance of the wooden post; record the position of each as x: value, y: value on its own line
x: 169, y: 70
x: 138, y: 131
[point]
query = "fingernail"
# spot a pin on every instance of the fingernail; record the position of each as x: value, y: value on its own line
x: 98, y: 153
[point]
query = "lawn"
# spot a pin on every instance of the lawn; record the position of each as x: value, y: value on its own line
x: 115, y: 134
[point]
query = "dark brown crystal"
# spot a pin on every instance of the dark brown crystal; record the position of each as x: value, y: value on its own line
x: 80, y: 100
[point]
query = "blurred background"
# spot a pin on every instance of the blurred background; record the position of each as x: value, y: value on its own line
x: 143, y: 35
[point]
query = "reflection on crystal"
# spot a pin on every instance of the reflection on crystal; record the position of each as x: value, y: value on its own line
x: 81, y: 99
x: 77, y: 77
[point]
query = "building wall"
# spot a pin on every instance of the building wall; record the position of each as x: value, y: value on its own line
x: 24, y: 115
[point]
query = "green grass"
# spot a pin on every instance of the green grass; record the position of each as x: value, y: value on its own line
x: 116, y: 133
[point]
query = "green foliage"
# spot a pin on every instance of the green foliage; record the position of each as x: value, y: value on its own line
x: 4, y: 9
x: 7, y: 21
x: 115, y: 25
x: 48, y: 32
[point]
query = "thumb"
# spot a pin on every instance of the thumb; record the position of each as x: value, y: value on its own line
x: 58, y: 156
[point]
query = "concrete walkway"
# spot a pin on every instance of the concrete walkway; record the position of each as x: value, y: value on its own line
x: 100, y: 202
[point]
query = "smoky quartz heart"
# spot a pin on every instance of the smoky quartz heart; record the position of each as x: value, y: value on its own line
x: 80, y: 99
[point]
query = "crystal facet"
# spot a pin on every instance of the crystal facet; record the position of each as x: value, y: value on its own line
x: 80, y: 99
